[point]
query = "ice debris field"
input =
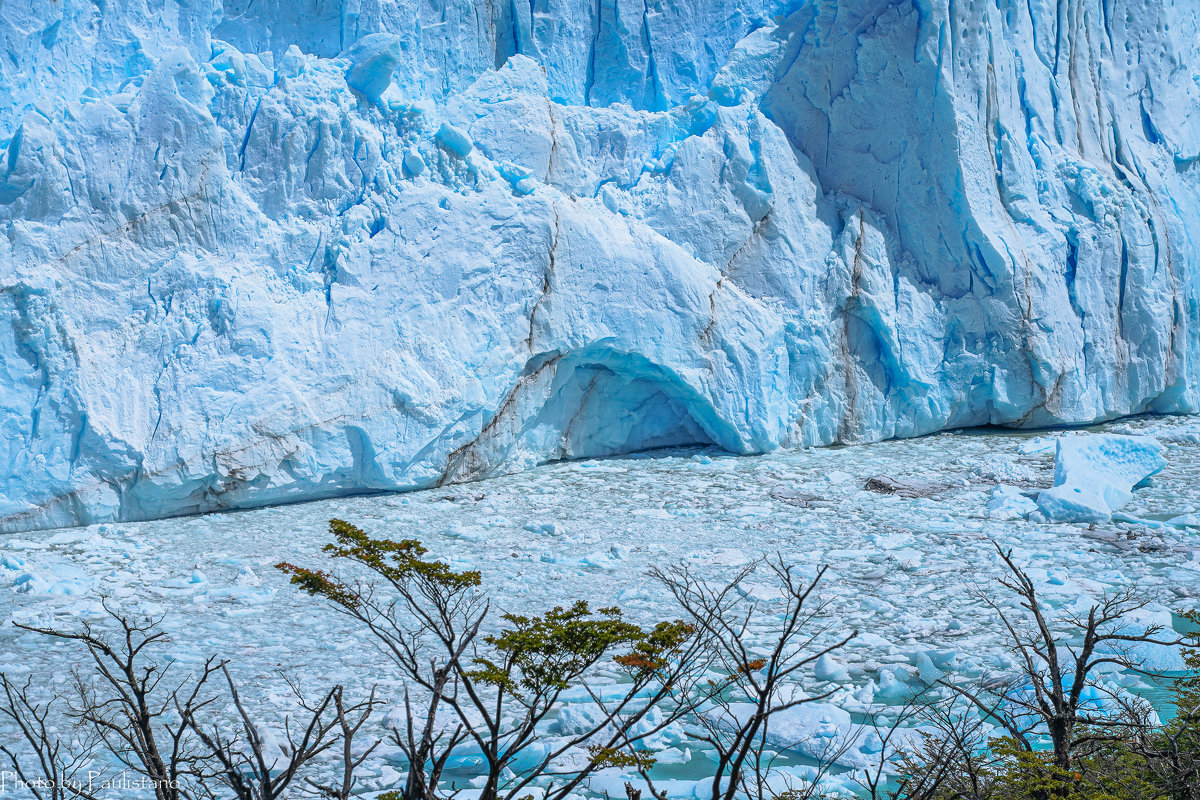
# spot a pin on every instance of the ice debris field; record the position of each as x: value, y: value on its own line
x: 906, y: 526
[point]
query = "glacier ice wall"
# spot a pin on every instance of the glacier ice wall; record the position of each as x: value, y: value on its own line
x: 257, y: 251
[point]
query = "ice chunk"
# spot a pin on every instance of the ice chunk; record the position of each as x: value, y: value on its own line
x: 892, y: 686
x: 454, y: 140
x: 1094, y: 475
x: 293, y: 62
x: 1041, y: 444
x: 373, y: 59
x: 829, y: 668
x: 413, y: 163
x: 1152, y: 656
x: 1002, y: 469
x: 926, y: 669
x: 1009, y: 503
x: 577, y: 718
x: 817, y: 730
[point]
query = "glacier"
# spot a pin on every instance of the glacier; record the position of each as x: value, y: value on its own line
x: 257, y: 252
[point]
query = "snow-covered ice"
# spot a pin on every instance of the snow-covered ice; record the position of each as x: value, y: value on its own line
x: 902, y: 570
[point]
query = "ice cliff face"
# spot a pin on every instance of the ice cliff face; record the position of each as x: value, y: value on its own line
x: 267, y: 251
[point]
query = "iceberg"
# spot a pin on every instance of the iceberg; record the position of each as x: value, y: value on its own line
x: 1094, y: 475
x: 256, y: 253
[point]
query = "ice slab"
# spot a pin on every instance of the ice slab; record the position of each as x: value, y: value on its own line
x: 1094, y: 475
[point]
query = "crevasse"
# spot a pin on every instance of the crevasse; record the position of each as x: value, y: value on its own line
x: 257, y: 252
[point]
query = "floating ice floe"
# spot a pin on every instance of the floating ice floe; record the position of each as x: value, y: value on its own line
x: 1008, y: 503
x: 1152, y: 656
x: 829, y: 668
x: 1094, y: 475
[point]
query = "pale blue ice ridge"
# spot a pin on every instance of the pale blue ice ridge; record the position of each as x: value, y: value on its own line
x: 260, y: 251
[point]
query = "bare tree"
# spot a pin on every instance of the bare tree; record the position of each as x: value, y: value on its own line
x: 163, y: 731
x: 55, y: 764
x: 349, y: 726
x: 247, y: 764
x: 1168, y: 754
x: 425, y: 745
x: 946, y: 759
x: 757, y: 681
x: 145, y: 724
x: 890, y: 730
x: 1048, y: 693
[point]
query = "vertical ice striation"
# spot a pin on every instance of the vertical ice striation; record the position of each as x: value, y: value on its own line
x: 257, y: 251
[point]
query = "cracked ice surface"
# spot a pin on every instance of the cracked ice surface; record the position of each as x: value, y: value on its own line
x: 902, y: 569
x: 256, y: 252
